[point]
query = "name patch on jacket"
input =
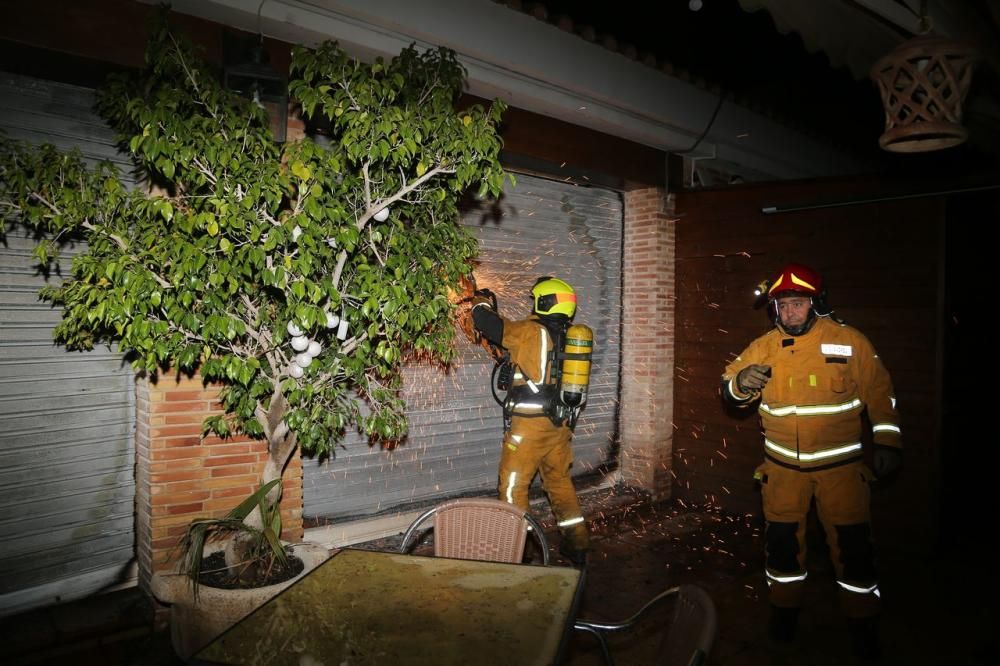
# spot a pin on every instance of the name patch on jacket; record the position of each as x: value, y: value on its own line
x: 836, y: 350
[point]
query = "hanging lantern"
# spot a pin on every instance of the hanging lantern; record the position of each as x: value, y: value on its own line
x: 257, y: 81
x: 923, y: 83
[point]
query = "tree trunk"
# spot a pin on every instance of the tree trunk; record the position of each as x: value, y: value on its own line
x: 281, y: 444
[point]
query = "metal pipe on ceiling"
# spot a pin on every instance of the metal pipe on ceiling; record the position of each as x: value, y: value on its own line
x: 770, y: 210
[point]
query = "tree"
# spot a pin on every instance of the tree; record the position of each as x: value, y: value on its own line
x: 240, y: 248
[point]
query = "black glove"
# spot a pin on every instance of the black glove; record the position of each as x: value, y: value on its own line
x: 481, y: 300
x: 753, y: 378
x: 887, y: 461
x: 484, y: 297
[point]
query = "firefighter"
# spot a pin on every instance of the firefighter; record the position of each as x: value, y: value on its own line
x: 537, y: 423
x: 813, y: 376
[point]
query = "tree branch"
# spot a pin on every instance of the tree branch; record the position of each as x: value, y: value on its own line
x: 403, y: 191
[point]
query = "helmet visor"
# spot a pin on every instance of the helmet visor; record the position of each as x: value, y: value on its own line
x: 549, y: 301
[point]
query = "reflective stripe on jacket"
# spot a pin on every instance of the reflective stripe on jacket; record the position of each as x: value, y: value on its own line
x: 820, y: 383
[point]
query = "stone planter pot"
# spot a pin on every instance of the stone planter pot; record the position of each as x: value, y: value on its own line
x: 193, y: 625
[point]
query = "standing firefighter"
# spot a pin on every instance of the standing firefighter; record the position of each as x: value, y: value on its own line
x: 814, y: 377
x: 547, y: 364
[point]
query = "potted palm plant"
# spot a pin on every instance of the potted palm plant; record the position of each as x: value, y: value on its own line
x: 208, y: 594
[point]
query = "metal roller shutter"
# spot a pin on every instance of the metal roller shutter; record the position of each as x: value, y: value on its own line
x: 545, y: 228
x: 67, y: 455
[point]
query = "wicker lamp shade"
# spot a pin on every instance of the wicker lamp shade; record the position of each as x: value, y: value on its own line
x: 923, y: 83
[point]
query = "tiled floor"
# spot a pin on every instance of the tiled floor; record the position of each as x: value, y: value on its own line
x: 936, y: 612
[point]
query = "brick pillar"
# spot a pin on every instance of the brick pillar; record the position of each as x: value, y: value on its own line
x: 648, y: 342
x: 181, y: 475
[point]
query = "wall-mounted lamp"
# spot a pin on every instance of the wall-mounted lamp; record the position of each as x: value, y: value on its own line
x: 254, y: 79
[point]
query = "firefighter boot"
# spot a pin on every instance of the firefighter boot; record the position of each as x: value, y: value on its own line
x: 784, y: 620
x: 570, y: 549
x: 864, y: 638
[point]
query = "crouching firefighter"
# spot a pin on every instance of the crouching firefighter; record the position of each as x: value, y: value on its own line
x: 544, y: 365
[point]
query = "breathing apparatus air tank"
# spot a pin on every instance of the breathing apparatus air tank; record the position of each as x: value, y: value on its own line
x: 575, y: 375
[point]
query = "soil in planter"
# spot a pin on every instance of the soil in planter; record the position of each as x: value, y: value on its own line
x: 215, y: 574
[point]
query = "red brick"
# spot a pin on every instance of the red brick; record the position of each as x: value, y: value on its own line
x: 179, y: 475
x: 216, y: 461
x: 181, y: 407
x: 238, y: 491
x: 192, y: 429
x: 181, y: 441
x: 165, y: 544
x: 183, y: 396
x: 251, y: 480
x: 234, y: 470
x: 179, y: 453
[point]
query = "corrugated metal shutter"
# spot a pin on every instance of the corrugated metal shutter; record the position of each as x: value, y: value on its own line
x: 67, y: 455
x: 541, y: 227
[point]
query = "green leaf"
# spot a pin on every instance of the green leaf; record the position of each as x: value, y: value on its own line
x: 301, y: 170
x: 207, y: 276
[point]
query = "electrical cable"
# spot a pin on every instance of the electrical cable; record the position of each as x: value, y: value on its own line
x: 711, y: 121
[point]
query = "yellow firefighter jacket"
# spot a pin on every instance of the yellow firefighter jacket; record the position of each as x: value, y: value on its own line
x: 529, y: 344
x: 820, y: 384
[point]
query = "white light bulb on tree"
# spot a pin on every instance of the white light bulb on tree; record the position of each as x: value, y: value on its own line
x: 332, y: 320
x: 300, y: 343
x: 382, y: 215
x: 295, y: 371
x: 293, y: 329
x: 303, y: 360
x: 314, y: 348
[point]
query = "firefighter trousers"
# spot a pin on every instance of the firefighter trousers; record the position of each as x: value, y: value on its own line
x: 535, y: 445
x: 843, y: 504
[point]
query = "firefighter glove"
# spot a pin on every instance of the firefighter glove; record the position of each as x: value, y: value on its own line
x: 887, y: 461
x: 753, y: 378
x: 481, y: 300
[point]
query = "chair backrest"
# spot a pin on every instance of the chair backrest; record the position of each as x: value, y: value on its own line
x: 478, y: 528
x: 690, y: 633
x: 692, y: 629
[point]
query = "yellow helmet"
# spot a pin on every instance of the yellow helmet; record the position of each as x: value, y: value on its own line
x: 552, y: 296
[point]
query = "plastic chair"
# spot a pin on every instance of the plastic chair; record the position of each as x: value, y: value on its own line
x: 689, y: 635
x: 478, y: 528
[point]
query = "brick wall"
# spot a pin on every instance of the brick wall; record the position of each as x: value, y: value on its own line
x: 181, y: 475
x: 881, y: 263
x: 648, y: 342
